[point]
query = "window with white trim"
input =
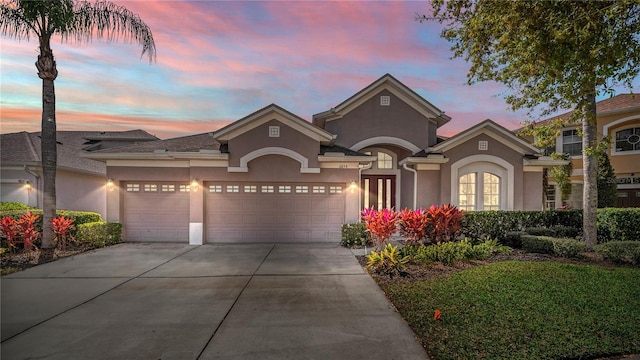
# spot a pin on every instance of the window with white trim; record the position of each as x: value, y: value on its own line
x: 318, y: 189
x: 184, y: 188
x: 215, y: 188
x: 335, y: 189
x: 233, y: 188
x: 133, y: 187
x: 168, y: 188
x: 150, y: 187
x: 571, y: 142
x: 550, y: 197
x: 250, y: 188
x: 628, y: 140
x: 467, y: 192
x: 385, y: 161
x: 269, y: 189
x: 302, y: 189
x: 479, y: 191
x: 284, y: 189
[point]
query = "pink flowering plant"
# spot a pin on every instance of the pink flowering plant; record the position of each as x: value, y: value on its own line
x: 413, y: 225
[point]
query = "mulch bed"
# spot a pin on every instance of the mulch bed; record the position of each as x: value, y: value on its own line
x: 20, y: 260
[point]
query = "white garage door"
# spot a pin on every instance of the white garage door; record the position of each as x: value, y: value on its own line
x: 274, y: 212
x: 157, y: 211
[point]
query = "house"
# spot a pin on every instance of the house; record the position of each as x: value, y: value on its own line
x: 618, y: 118
x: 273, y: 176
x: 80, y: 182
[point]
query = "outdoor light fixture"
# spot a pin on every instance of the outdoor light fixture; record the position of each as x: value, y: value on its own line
x: 353, y: 187
x: 111, y: 185
x: 27, y: 185
x: 194, y: 185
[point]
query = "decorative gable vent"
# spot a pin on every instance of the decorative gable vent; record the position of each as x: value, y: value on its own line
x: 274, y: 131
x: 483, y: 145
x: 385, y: 100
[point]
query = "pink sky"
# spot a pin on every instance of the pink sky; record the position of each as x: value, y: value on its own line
x: 219, y: 61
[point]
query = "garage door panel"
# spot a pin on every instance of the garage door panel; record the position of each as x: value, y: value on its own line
x: 285, y: 215
x: 156, y: 216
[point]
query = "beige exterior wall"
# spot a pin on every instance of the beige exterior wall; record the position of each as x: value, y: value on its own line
x: 532, y: 191
x: 258, y: 138
x: 371, y: 120
x: 81, y: 192
x: 428, y: 188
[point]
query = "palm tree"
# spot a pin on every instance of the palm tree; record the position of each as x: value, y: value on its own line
x: 77, y: 21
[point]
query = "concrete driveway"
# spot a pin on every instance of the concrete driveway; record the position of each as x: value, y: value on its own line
x: 175, y: 301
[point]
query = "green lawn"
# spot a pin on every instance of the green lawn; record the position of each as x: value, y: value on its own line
x: 525, y: 310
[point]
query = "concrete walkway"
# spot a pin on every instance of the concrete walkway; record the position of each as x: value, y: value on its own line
x: 175, y: 301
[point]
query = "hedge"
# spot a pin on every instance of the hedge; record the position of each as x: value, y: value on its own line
x: 80, y: 217
x: 620, y: 251
x: 568, y: 248
x: 99, y: 233
x: 12, y: 205
x: 620, y: 224
x: 355, y: 234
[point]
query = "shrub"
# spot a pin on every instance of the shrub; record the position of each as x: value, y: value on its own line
x: 62, y: 227
x: 537, y: 244
x: 355, y: 234
x: 79, y: 217
x: 11, y: 205
x: 381, y: 224
x: 100, y: 233
x: 496, y: 224
x: 620, y: 251
x: 485, y: 249
x: 568, y: 248
x: 444, y: 222
x: 618, y: 224
x: 388, y: 261
x: 562, y: 247
x: 413, y: 225
x: 513, y: 239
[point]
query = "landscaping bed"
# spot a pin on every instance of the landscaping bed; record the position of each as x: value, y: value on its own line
x: 21, y: 260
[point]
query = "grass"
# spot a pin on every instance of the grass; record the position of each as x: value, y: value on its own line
x: 525, y: 310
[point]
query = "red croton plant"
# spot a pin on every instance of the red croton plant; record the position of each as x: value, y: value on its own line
x: 432, y: 225
x: 381, y: 225
x: 23, y: 231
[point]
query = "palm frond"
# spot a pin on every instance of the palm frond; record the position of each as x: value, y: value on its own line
x: 13, y: 23
x: 112, y: 22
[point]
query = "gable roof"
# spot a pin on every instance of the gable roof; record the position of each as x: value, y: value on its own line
x: 390, y: 83
x: 23, y: 148
x: 492, y: 129
x: 269, y: 113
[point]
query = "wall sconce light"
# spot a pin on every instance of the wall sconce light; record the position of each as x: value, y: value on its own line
x: 111, y: 185
x: 353, y: 187
x: 195, y: 185
x: 27, y: 185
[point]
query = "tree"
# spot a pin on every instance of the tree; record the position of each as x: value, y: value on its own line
x: 607, y: 186
x: 76, y: 21
x: 559, y: 54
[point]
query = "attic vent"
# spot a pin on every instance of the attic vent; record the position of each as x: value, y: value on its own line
x: 274, y: 131
x: 385, y: 100
x: 483, y: 145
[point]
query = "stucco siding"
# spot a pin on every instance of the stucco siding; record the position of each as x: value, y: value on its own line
x: 532, y: 191
x: 428, y: 188
x: 371, y: 120
x: 81, y: 192
x: 258, y: 138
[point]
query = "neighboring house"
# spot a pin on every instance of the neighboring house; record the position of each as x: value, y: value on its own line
x: 80, y: 182
x: 273, y: 176
x: 619, y: 119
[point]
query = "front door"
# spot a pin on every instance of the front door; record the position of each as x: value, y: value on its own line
x: 378, y: 191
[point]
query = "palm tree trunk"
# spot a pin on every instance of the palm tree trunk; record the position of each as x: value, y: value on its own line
x: 590, y: 175
x: 47, y: 72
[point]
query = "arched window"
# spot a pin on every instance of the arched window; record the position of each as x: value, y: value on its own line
x: 628, y: 140
x: 479, y: 191
x: 482, y: 182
